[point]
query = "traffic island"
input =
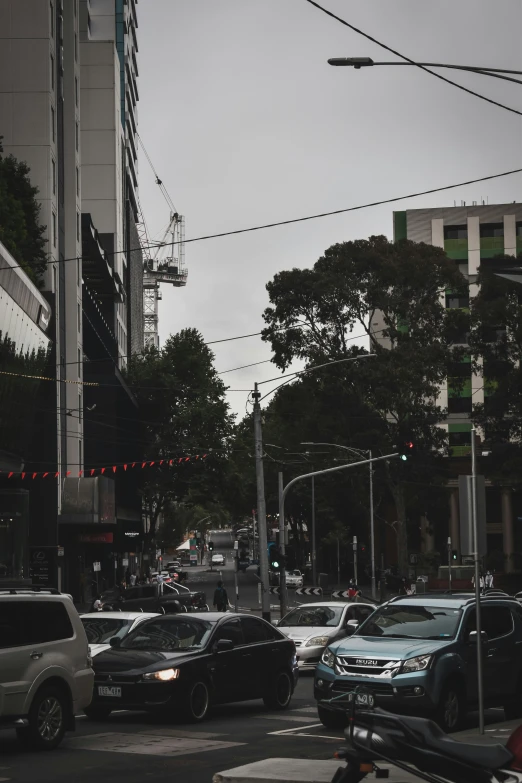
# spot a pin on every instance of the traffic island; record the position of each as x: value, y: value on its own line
x: 284, y: 770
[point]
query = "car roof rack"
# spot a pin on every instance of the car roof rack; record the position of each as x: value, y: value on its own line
x: 30, y: 589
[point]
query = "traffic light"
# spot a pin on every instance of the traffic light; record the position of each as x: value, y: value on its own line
x: 454, y: 554
x: 274, y: 557
x: 210, y: 546
x: 406, y: 449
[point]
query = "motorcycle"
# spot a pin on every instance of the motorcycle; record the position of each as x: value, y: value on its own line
x: 418, y: 746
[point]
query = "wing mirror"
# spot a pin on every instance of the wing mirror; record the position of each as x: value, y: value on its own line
x: 114, y: 641
x: 223, y: 645
x: 473, y: 637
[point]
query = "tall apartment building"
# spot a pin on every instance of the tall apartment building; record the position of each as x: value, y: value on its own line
x: 470, y: 235
x: 68, y: 99
x: 39, y: 120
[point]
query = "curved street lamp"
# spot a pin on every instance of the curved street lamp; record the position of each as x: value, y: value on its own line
x: 367, y: 62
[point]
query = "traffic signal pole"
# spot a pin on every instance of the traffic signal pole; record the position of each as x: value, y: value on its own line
x: 261, y: 507
x: 283, y: 590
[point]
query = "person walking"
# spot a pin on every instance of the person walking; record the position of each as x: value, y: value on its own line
x: 132, y: 580
x: 220, y: 598
x: 489, y: 580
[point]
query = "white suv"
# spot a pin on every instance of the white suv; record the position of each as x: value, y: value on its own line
x: 46, y: 675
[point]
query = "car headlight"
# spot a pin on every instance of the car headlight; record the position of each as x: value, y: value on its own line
x: 317, y: 641
x: 164, y: 675
x: 328, y: 658
x: 416, y: 664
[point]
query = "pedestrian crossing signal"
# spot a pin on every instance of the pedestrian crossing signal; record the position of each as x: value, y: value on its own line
x: 406, y: 450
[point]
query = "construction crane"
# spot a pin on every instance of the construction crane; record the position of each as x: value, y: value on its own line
x: 165, y: 265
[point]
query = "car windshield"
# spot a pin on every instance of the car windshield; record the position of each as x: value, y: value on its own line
x: 100, y: 629
x: 294, y: 573
x: 169, y: 634
x: 318, y: 616
x: 405, y: 621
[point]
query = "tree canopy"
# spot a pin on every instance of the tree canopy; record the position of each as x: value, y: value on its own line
x: 20, y: 229
x: 183, y: 412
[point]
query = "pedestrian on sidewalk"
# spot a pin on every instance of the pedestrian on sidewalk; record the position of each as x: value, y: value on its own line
x: 220, y: 598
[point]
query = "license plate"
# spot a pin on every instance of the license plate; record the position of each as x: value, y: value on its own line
x: 106, y: 690
x: 365, y: 699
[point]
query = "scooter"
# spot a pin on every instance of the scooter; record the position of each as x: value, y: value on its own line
x: 418, y: 746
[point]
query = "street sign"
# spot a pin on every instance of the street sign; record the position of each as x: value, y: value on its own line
x: 61, y: 551
x: 125, y: 561
x: 274, y: 590
x: 236, y: 544
x: 96, y: 566
x: 308, y: 591
x: 413, y: 559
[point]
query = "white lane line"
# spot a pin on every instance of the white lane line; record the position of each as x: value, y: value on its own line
x: 295, y: 728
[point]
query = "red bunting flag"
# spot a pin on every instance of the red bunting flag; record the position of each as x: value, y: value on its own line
x: 133, y: 464
x: 92, y: 471
x: 180, y: 460
x: 80, y: 473
x: 204, y: 455
x: 11, y: 473
x: 102, y: 471
x: 45, y: 474
x: 162, y: 461
x: 23, y: 475
x: 57, y: 474
x: 35, y: 475
x: 151, y: 464
x: 68, y: 473
x: 125, y: 467
x: 143, y: 464
x: 170, y: 462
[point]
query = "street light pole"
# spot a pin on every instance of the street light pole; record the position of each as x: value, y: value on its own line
x: 261, y: 507
x: 314, y: 551
x: 283, y: 592
x: 476, y: 555
x: 366, y: 62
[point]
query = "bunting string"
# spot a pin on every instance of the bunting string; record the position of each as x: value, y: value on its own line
x: 164, y: 463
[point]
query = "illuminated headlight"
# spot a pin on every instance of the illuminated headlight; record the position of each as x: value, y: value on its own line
x: 164, y: 675
x: 317, y: 641
x: 416, y: 664
x: 328, y: 658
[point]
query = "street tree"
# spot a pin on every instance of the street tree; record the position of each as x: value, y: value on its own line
x: 390, y: 295
x: 184, y: 413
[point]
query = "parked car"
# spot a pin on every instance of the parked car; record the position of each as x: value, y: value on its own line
x: 101, y: 627
x: 181, y: 664
x: 46, y: 675
x: 313, y: 626
x: 218, y: 559
x: 294, y: 579
x: 173, y: 564
x: 418, y: 653
x: 157, y: 598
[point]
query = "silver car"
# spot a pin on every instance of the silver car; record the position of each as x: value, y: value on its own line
x: 314, y: 626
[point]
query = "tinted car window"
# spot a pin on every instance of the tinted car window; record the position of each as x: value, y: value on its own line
x: 173, y: 633
x: 254, y: 630
x: 148, y: 592
x: 363, y: 612
x: 318, y: 616
x: 132, y: 593
x: 495, y: 621
x: 230, y: 630
x: 100, y: 629
x: 30, y: 622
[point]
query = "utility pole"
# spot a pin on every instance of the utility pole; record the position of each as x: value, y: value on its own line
x: 283, y: 591
x: 261, y: 506
x: 338, y: 562
x: 372, y: 531
x: 314, y: 552
x: 476, y: 556
x: 236, y: 567
x: 449, y: 563
x: 355, y: 559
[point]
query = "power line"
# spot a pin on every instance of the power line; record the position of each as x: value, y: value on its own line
x: 412, y: 62
x: 292, y: 220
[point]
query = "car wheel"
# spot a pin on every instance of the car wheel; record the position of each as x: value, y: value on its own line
x: 452, y: 708
x: 279, y: 693
x: 331, y: 719
x: 97, y: 712
x: 197, y: 703
x: 47, y: 720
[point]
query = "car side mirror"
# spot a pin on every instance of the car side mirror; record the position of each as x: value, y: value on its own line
x: 473, y: 637
x: 114, y: 641
x: 351, y: 627
x: 223, y: 645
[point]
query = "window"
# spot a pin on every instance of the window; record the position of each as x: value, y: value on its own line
x: 100, y: 629
x: 519, y: 229
x: 491, y: 229
x: 456, y: 301
x: 53, y: 166
x: 51, y: 8
x: 76, y: 90
x: 455, y: 232
x: 53, y: 124
x: 363, y: 612
x: 77, y: 137
x: 54, y: 229
x: 496, y: 621
x: 79, y: 317
x: 230, y: 630
x: 460, y: 404
x: 168, y: 633
x: 33, y: 622
x: 412, y: 622
x: 77, y: 182
x: 78, y: 226
x: 459, y: 438
x: 52, y: 72
x: 254, y: 630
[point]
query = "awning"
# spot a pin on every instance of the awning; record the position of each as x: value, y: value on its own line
x: 184, y: 545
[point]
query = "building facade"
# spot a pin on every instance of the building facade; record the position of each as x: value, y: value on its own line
x: 470, y: 235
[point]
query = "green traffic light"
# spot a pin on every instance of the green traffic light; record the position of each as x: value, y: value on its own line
x: 404, y: 457
x: 275, y: 565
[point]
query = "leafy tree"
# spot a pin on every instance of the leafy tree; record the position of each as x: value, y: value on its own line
x: 184, y: 412
x: 20, y: 229
x: 393, y: 294
x: 496, y: 344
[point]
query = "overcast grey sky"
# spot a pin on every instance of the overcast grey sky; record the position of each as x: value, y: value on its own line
x: 247, y: 124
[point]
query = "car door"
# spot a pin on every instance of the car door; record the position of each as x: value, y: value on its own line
x: 469, y: 655
x: 257, y: 654
x: 228, y: 669
x: 500, y: 655
x: 132, y: 599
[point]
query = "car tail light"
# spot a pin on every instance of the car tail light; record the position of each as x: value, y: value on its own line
x: 514, y: 744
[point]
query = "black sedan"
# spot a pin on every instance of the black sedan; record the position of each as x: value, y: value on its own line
x: 182, y: 664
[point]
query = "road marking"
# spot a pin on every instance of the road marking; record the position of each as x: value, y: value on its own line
x: 296, y: 728
x: 295, y: 718
x: 202, y: 735
x: 151, y: 745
